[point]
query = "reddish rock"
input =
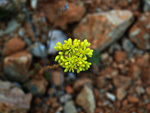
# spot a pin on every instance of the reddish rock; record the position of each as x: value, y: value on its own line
x: 120, y: 56
x: 121, y: 93
x: 148, y: 90
x: 101, y: 82
x: 133, y: 99
x: 13, y: 99
x: 134, y: 71
x: 81, y: 82
x: 69, y: 89
x: 17, y: 65
x: 102, y: 29
x: 14, y: 45
x: 73, y: 14
x: 122, y: 81
x: 139, y: 33
x: 57, y: 78
x: 109, y: 72
x: 37, y: 86
x: 143, y: 61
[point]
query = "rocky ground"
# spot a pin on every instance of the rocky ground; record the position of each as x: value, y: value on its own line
x: 119, y: 78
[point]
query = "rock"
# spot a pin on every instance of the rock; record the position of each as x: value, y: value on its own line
x: 38, y: 50
x: 70, y: 107
x: 58, y: 77
x: 139, y: 32
x: 86, y: 100
x: 36, y: 86
x: 101, y: 82
x: 148, y: 90
x: 133, y: 99
x: 13, y: 99
x: 122, y: 81
x: 102, y: 29
x: 11, y: 27
x: 114, y: 47
x: 16, y: 66
x: 74, y: 14
x: 56, y: 36
x: 69, y: 89
x: 65, y: 98
x: 120, y: 56
x: 111, y: 96
x: 104, y: 56
x: 121, y: 93
x: 109, y: 72
x: 143, y: 61
x: 81, y: 82
x: 127, y: 45
x: 140, y: 90
x: 14, y: 45
x: 134, y: 71
x: 146, y: 5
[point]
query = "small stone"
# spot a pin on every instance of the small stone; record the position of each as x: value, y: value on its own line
x: 122, y: 81
x: 36, y: 86
x: 70, y: 107
x: 146, y: 5
x: 148, y: 90
x: 103, y: 29
x: 69, y: 89
x: 134, y: 71
x: 143, y: 60
x: 109, y: 72
x: 58, y: 77
x: 114, y: 47
x: 81, y: 82
x: 14, y: 45
x: 13, y: 98
x: 121, y: 93
x: 139, y: 32
x: 127, y: 45
x: 104, y: 56
x: 65, y: 98
x: 120, y: 56
x: 101, y: 82
x: 86, y: 100
x: 38, y: 50
x: 17, y: 65
x: 74, y: 14
x: 111, y: 96
x: 140, y: 90
x: 11, y: 27
x: 133, y: 99
x: 56, y: 36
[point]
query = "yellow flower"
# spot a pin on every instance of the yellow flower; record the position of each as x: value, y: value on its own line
x: 73, y: 55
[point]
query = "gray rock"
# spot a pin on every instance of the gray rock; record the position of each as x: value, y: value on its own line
x: 86, y: 100
x: 17, y: 65
x: 57, y: 36
x: 11, y: 27
x: 38, y: 50
x: 111, y: 96
x: 13, y: 98
x: 103, y: 29
x: 114, y: 48
x: 127, y: 45
x: 70, y: 107
x: 146, y: 5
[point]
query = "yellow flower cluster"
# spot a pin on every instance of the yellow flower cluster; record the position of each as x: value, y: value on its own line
x: 73, y: 55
